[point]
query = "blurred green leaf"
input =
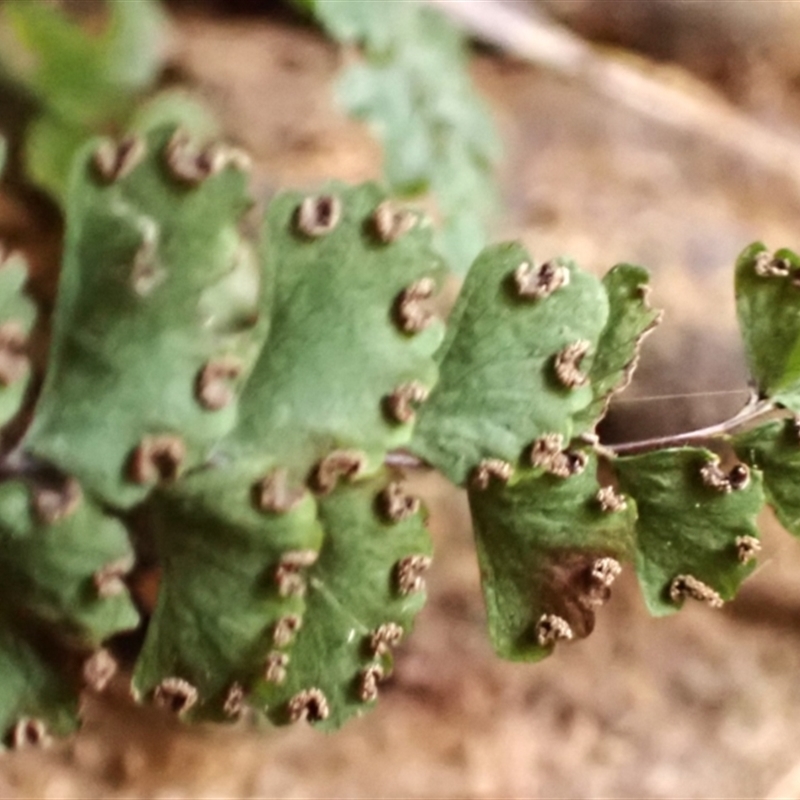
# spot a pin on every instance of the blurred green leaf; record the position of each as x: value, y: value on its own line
x: 17, y: 315
x: 414, y: 89
x: 81, y: 76
x: 50, y: 149
x: 52, y: 582
x: 157, y: 285
x: 84, y: 82
x: 351, y: 21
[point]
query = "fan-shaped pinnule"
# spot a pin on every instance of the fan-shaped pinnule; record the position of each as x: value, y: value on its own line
x: 768, y: 308
x: 344, y: 369
x: 693, y: 516
x: 549, y: 549
x: 232, y: 584
x: 58, y: 602
x: 157, y: 319
x: 630, y: 320
x: 513, y: 364
x: 363, y: 594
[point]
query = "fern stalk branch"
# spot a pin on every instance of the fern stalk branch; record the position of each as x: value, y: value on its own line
x: 753, y: 410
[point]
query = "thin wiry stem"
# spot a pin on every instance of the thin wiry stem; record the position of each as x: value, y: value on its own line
x: 752, y: 411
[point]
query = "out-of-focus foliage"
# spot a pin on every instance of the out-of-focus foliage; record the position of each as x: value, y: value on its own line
x: 88, y: 76
x: 413, y: 86
x: 81, y: 81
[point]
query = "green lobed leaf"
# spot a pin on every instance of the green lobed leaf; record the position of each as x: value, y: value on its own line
x: 351, y: 20
x: 630, y: 319
x: 53, y: 142
x: 541, y: 540
x: 80, y: 76
x: 48, y: 567
x: 156, y: 285
x: 83, y: 81
x: 51, y: 146
x: 219, y: 602
x: 303, y: 5
x: 686, y: 527
x: 497, y: 390
x: 52, y: 581
x: 415, y: 90
x: 768, y: 308
x: 774, y: 449
x: 352, y: 590
x: 34, y: 684
x: 335, y: 352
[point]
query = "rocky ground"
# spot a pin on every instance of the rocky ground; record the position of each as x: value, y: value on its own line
x: 703, y: 704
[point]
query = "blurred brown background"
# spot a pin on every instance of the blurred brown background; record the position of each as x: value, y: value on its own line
x: 703, y: 704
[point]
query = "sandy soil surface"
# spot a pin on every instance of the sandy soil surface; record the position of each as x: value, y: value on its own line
x: 703, y: 704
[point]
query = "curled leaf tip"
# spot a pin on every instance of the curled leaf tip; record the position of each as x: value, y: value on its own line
x: 310, y: 705
x: 536, y: 283
x: 687, y: 586
x: 551, y: 628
